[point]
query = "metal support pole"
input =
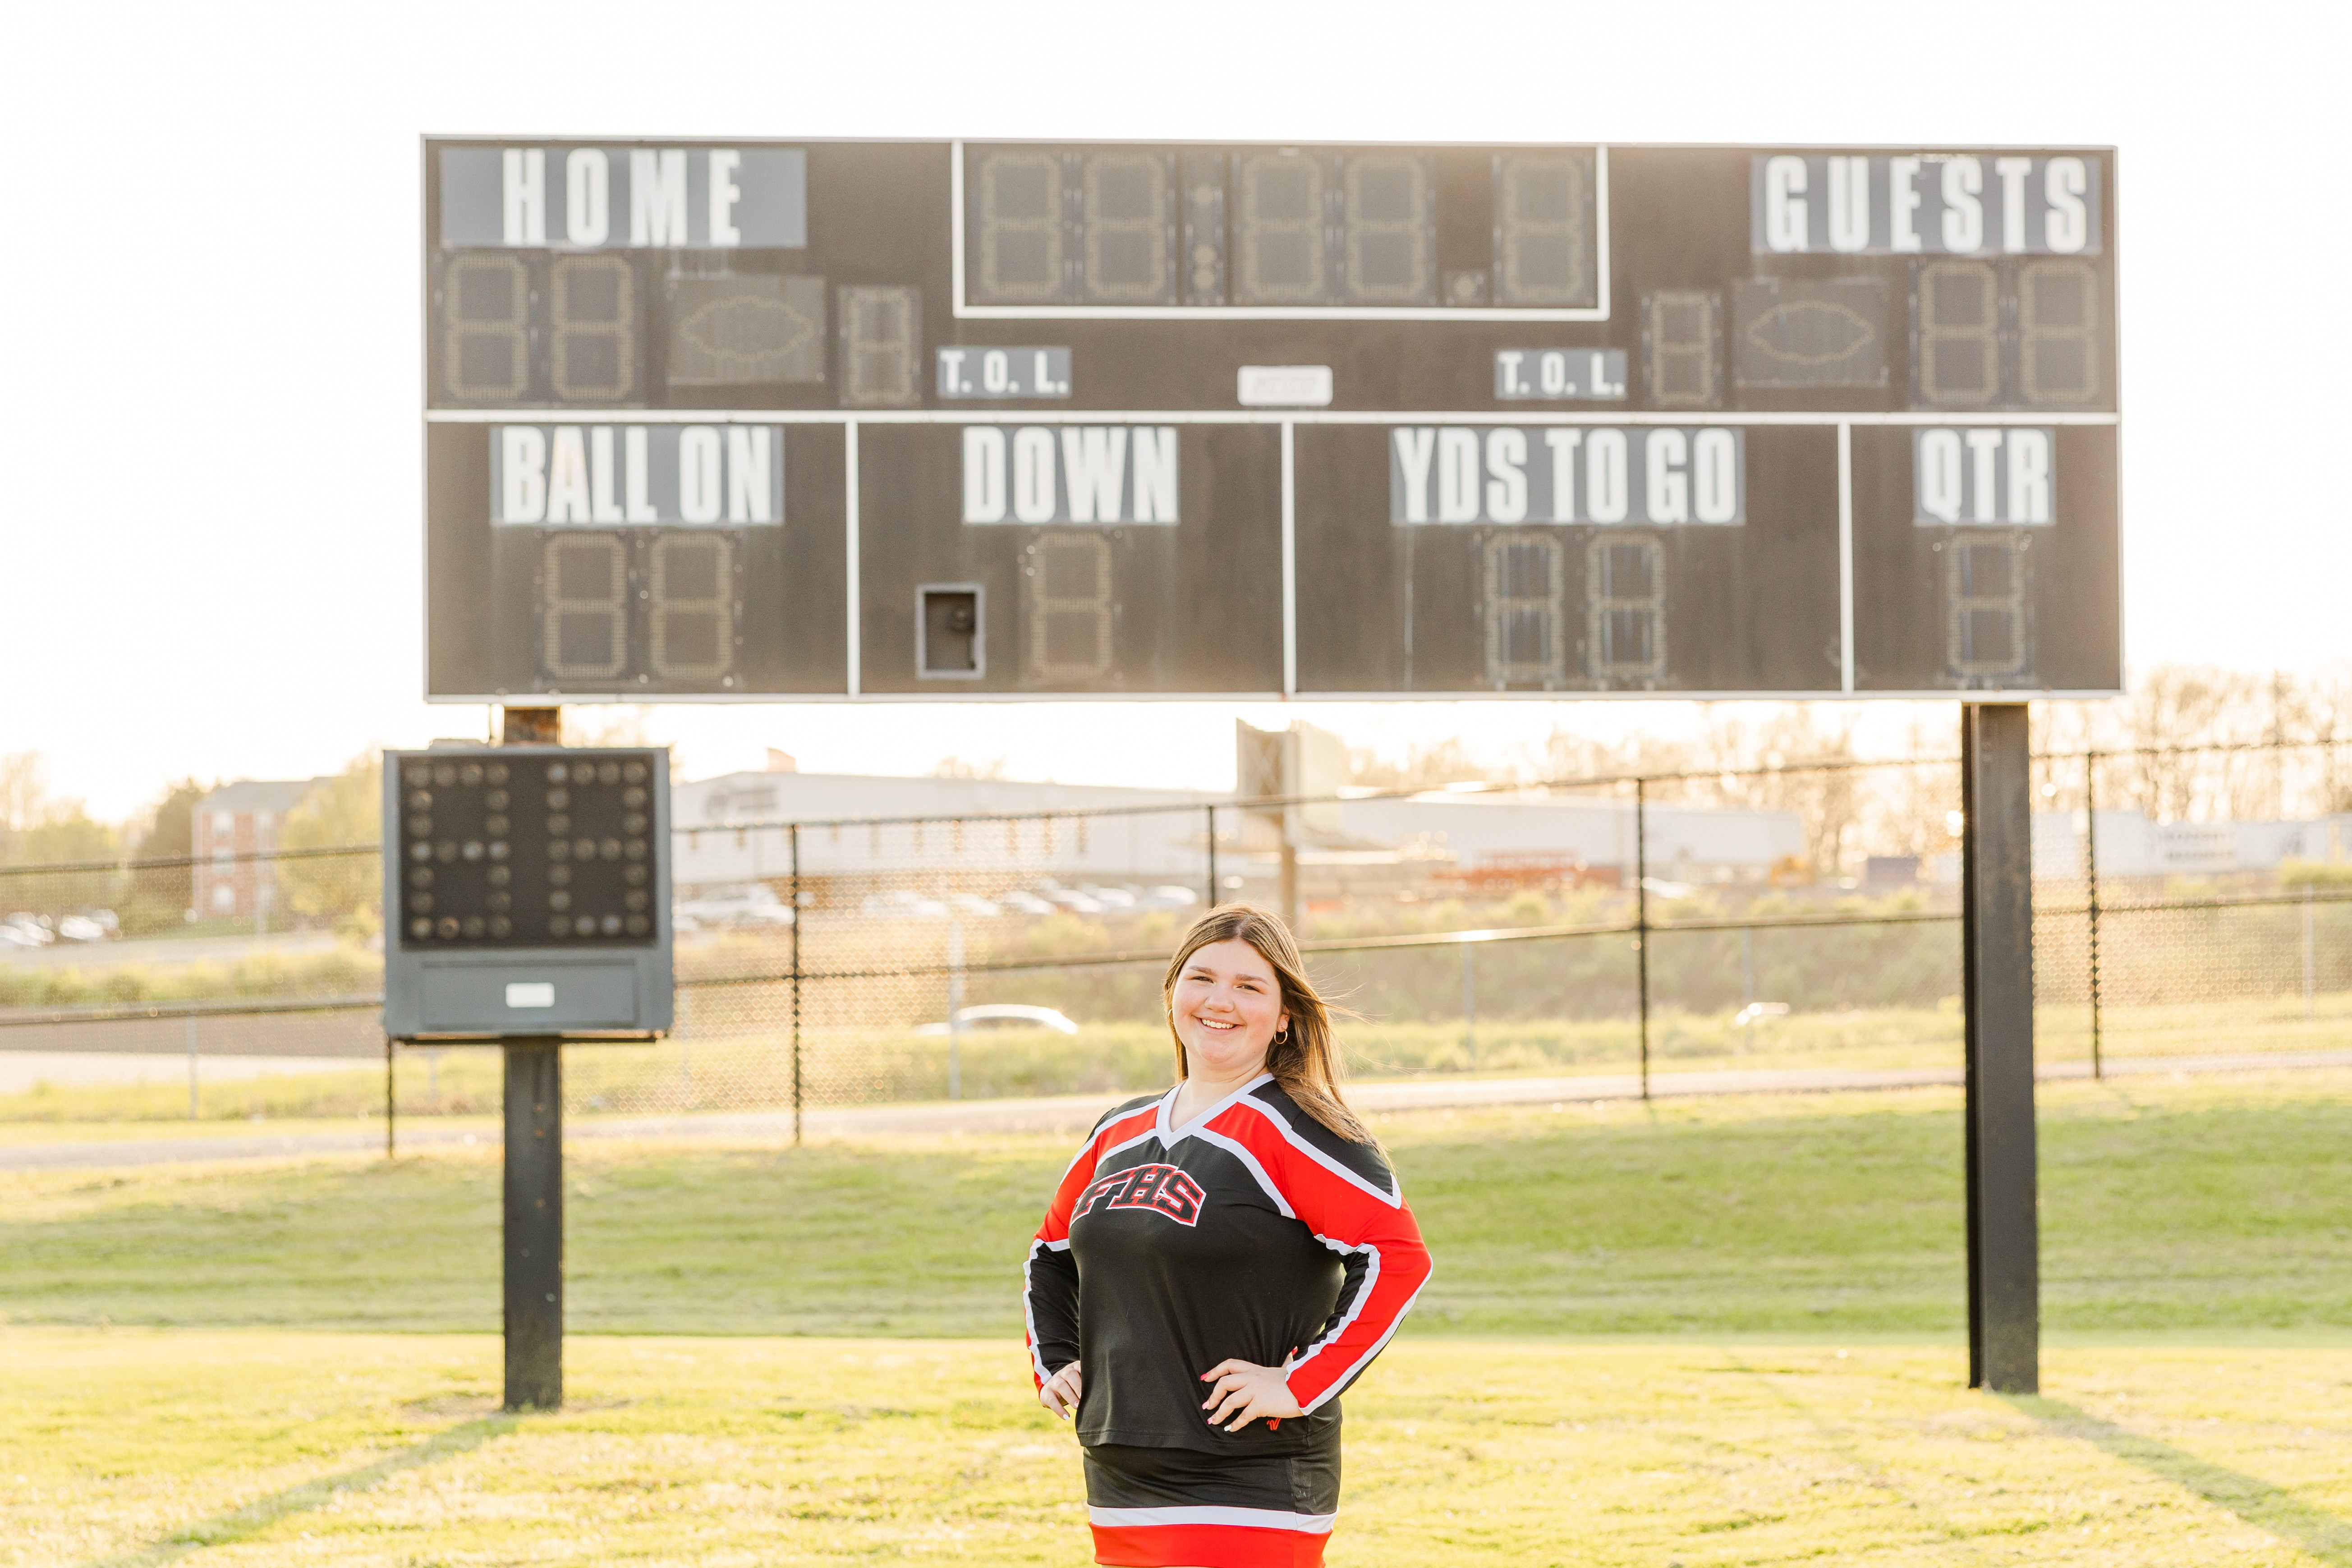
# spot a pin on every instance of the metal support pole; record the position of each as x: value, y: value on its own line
x: 534, y: 1224
x: 391, y: 1106
x: 1996, y: 987
x: 1642, y: 915
x: 531, y: 726
x: 1747, y: 984
x: 799, y: 914
x: 1212, y: 812
x: 2310, y: 959
x: 2091, y: 874
x: 1470, y: 1001
x: 534, y: 1172
x: 1290, y: 874
x: 192, y: 1067
x: 955, y: 1008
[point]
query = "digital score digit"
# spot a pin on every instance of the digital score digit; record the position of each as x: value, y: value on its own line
x: 866, y: 420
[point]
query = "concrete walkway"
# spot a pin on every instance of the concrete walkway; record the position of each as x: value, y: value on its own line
x: 1072, y: 1115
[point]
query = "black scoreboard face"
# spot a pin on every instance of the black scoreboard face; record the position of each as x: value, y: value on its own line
x: 711, y: 421
x: 526, y: 891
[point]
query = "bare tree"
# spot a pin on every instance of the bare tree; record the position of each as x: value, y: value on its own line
x: 1424, y: 765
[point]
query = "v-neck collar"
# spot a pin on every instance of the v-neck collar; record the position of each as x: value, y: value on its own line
x: 1170, y: 1136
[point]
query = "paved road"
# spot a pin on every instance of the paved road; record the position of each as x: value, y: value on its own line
x: 157, y: 952
x: 1073, y: 1114
x: 21, y: 1070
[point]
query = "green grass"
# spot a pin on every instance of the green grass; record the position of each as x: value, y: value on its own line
x: 739, y: 1057
x: 279, y: 1449
x: 345, y: 970
x: 2201, y: 1206
x: 196, y: 1370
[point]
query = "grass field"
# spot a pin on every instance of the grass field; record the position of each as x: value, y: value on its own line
x: 287, y: 1449
x: 1707, y: 1332
x: 2201, y: 1205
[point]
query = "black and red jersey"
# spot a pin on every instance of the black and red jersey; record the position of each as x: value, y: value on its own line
x: 1255, y: 1232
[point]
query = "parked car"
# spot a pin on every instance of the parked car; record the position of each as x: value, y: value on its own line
x: 1073, y: 901
x: 32, y: 930
x: 1020, y: 901
x: 753, y: 907
x: 1003, y: 1014
x: 904, y: 904
x: 973, y: 905
x: 1168, y: 896
x: 81, y: 928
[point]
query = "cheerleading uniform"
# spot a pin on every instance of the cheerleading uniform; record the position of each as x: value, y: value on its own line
x: 1254, y: 1232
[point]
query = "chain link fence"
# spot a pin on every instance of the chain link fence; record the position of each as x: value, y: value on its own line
x: 1800, y: 920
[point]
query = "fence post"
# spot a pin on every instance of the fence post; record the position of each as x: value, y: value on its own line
x: 1641, y: 914
x: 1470, y: 1001
x: 192, y: 1067
x: 1212, y: 812
x: 799, y: 914
x: 1747, y: 984
x: 2091, y: 868
x: 391, y: 1106
x: 955, y: 1008
x: 2310, y: 959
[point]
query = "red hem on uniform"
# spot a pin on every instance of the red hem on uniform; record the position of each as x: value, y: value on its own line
x: 1206, y: 1546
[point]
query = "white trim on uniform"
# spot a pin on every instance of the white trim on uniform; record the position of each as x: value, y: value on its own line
x: 1394, y: 1200
x: 1169, y: 1136
x: 1246, y: 1518
x: 1104, y: 1125
x: 1146, y: 1136
x: 1324, y: 1341
x: 1085, y: 1148
x: 1029, y: 1299
x: 1240, y: 1151
x: 1088, y: 1146
x: 1376, y: 1347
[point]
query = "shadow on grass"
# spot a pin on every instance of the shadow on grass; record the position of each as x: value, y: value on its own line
x: 222, y: 1530
x: 2324, y: 1535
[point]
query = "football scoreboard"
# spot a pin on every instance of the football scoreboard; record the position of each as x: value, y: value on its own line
x: 808, y: 419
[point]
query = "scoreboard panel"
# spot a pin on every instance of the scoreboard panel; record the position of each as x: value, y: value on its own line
x: 1522, y: 588
x: 526, y: 891
x: 886, y: 420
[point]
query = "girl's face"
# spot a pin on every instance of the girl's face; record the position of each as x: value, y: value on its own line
x: 1228, y: 1008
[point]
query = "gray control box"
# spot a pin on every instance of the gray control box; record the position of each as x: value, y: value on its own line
x: 527, y: 891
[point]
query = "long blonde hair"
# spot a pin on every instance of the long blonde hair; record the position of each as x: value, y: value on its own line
x: 1304, y: 1059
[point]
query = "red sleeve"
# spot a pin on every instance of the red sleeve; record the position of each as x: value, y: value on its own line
x: 1355, y: 1207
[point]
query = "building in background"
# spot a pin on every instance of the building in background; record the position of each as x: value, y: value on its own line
x: 859, y: 831
x: 2130, y: 845
x: 730, y: 829
x: 235, y: 822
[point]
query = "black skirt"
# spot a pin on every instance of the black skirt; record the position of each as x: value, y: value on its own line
x: 1180, y: 1508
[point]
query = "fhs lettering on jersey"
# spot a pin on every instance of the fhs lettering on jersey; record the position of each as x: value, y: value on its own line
x: 1163, y: 1189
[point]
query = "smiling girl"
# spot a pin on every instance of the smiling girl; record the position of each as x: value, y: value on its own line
x: 1216, y: 1265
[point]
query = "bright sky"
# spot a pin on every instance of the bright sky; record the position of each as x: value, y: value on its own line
x: 212, y: 561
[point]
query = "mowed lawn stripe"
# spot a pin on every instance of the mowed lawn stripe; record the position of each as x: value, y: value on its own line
x: 291, y: 1449
x: 2203, y: 1207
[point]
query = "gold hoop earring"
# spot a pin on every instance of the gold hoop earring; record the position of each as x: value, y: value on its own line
x: 1282, y: 1036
